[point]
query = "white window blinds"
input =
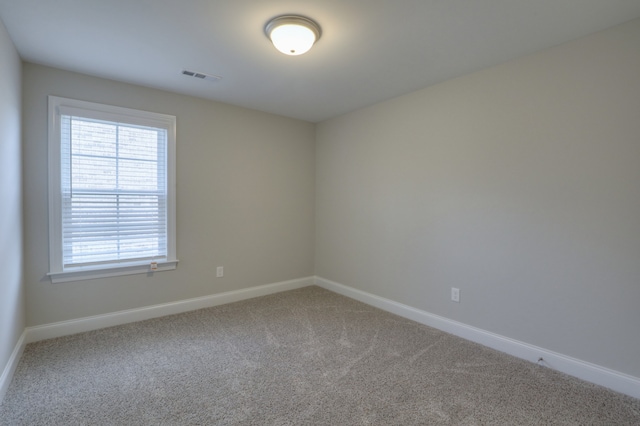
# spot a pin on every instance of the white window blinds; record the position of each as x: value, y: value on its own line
x: 112, y: 190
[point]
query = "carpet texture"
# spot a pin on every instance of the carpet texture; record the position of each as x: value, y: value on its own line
x: 302, y: 357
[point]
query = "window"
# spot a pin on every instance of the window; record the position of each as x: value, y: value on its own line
x: 111, y: 191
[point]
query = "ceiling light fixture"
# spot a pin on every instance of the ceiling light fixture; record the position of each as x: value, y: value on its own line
x: 292, y: 34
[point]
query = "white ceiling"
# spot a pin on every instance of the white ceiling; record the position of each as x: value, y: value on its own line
x: 370, y: 50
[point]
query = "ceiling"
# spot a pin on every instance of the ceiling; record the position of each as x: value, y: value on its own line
x: 370, y: 50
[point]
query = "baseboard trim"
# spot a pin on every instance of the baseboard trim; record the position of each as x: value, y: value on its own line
x: 593, y: 373
x: 64, y: 328
x: 12, y: 364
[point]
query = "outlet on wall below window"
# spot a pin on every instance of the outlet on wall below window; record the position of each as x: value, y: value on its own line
x: 219, y: 271
x: 455, y: 294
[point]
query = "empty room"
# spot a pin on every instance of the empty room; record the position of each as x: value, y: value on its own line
x: 357, y: 212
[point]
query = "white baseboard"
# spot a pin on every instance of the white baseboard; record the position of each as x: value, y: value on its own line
x: 64, y: 328
x: 602, y: 376
x: 12, y: 364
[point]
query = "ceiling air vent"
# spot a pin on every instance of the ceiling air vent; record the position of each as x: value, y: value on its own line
x: 201, y: 76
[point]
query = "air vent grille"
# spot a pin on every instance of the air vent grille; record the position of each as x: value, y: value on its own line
x: 201, y: 75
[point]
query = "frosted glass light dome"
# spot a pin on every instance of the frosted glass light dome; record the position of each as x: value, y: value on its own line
x: 292, y: 35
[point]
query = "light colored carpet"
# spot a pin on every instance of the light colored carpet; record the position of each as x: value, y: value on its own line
x: 302, y: 357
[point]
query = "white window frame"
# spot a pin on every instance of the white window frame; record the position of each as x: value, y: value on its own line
x: 57, y: 271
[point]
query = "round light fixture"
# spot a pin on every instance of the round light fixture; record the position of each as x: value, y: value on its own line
x: 292, y: 34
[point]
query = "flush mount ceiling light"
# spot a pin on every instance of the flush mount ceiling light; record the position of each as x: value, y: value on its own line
x: 292, y: 34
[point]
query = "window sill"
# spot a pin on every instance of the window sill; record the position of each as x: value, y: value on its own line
x: 81, y: 274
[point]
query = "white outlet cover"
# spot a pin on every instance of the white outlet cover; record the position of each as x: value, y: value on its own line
x: 455, y: 294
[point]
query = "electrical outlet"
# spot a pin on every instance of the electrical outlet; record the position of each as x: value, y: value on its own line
x: 455, y: 294
x: 219, y: 271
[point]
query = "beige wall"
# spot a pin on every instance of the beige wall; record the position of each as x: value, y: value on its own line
x: 245, y: 185
x: 519, y: 184
x: 12, y: 313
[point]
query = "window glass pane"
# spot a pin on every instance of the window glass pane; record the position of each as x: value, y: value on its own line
x: 139, y: 143
x: 93, y: 138
x: 93, y: 173
x: 138, y: 175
